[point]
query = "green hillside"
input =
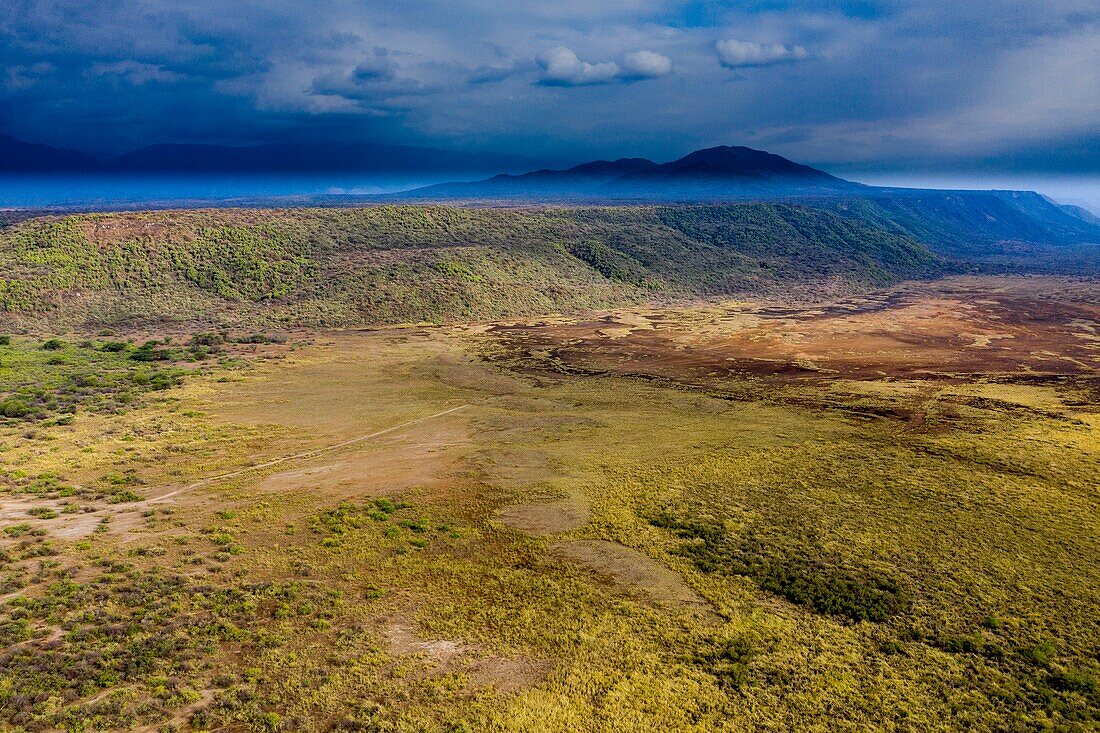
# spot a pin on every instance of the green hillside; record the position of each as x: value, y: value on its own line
x: 972, y: 224
x: 342, y: 267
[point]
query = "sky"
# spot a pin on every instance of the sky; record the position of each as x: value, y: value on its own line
x: 990, y: 87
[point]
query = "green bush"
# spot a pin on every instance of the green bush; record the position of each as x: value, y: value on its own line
x: 727, y: 659
x: 206, y: 339
x: 256, y: 338
x: 53, y: 345
x: 15, y: 407
x: 786, y: 566
x: 1041, y: 654
x: 149, y: 352
x: 1073, y: 680
x: 42, y: 512
x: 457, y: 270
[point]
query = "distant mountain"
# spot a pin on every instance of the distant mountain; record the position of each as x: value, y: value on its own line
x: 963, y: 224
x: 955, y: 223
x: 1079, y: 212
x: 366, y: 158
x: 20, y: 157
x: 727, y: 162
x: 719, y: 173
x: 542, y: 183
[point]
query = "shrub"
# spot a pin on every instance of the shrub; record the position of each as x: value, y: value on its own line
x: 260, y: 338
x: 149, y: 352
x: 53, y: 345
x: 14, y: 407
x: 416, y: 525
x: 457, y: 270
x: 786, y: 566
x: 1041, y: 654
x: 17, y: 530
x: 1073, y: 680
x: 972, y: 644
x: 727, y: 659
x: 5, y: 340
x: 610, y: 263
x: 206, y: 339
x: 160, y: 381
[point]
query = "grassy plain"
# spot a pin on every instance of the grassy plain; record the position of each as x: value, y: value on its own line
x: 736, y: 517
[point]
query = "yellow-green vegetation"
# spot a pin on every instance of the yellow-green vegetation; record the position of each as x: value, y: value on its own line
x: 965, y: 569
x: 97, y: 419
x: 53, y: 378
x: 388, y: 264
x: 840, y: 569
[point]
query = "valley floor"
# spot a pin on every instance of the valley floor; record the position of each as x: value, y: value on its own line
x: 877, y: 514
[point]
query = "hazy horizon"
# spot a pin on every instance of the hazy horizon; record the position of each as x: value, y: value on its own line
x: 1076, y: 190
x: 119, y: 190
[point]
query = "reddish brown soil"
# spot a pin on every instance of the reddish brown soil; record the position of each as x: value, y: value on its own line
x: 1033, y: 330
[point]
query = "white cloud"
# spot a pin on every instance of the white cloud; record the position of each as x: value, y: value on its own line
x: 561, y: 67
x: 19, y: 77
x: 735, y: 54
x: 646, y: 65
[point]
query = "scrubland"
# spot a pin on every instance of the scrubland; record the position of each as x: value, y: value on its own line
x: 722, y: 517
x: 251, y: 269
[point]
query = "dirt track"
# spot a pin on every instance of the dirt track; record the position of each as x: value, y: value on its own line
x: 301, y: 456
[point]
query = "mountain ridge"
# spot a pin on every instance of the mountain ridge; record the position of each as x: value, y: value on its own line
x: 955, y: 223
x: 718, y: 172
x: 19, y: 156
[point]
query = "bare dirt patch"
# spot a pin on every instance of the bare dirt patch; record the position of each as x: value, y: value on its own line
x: 546, y: 518
x: 632, y: 571
x: 442, y: 656
x: 956, y: 327
x: 420, y: 456
x: 67, y: 526
x: 514, y: 467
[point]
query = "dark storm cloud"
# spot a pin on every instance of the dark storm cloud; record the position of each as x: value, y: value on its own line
x: 916, y: 82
